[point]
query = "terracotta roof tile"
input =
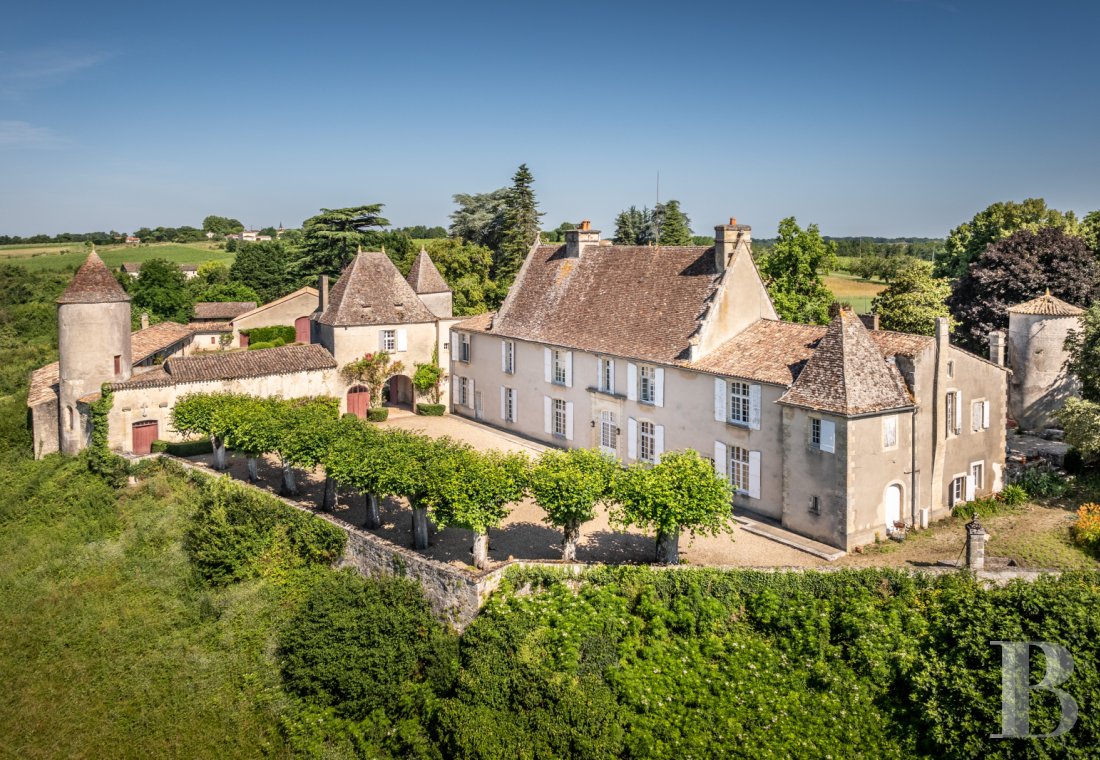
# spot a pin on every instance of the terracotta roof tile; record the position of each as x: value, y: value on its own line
x: 93, y: 283
x: 209, y: 327
x: 424, y: 277
x: 634, y: 301
x: 847, y: 373
x: 44, y: 384
x: 767, y: 351
x: 222, y: 310
x: 1047, y: 305
x: 477, y: 323
x: 282, y: 360
x: 371, y: 291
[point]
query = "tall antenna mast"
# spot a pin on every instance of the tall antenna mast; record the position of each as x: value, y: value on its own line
x: 657, y: 213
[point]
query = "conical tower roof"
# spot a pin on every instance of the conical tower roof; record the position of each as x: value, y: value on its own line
x: 1048, y: 306
x: 371, y: 291
x: 847, y: 373
x: 93, y: 283
x: 424, y: 277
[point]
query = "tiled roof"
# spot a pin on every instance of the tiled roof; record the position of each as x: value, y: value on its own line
x: 1047, y: 305
x: 372, y: 292
x: 767, y: 351
x: 143, y: 344
x: 424, y: 277
x: 634, y: 301
x: 847, y: 373
x: 93, y: 283
x: 477, y: 323
x: 209, y: 327
x: 222, y: 310
x: 282, y: 360
x: 130, y: 267
x: 311, y: 292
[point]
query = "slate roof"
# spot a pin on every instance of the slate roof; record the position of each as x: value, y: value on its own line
x: 371, y: 291
x: 424, y: 277
x: 93, y: 283
x: 641, y: 302
x: 223, y: 310
x: 847, y: 373
x: 282, y: 360
x: 143, y: 344
x: 1047, y: 305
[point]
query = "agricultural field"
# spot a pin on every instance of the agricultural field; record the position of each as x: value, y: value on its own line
x: 853, y: 290
x: 68, y: 256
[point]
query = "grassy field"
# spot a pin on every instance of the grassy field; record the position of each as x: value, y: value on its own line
x: 70, y: 255
x: 853, y: 290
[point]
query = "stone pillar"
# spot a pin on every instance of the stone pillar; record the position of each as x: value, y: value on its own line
x: 975, y: 545
x: 997, y: 348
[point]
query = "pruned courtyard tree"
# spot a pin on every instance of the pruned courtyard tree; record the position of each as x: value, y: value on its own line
x: 569, y: 485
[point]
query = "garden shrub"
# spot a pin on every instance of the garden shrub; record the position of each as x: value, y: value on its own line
x: 1013, y: 495
x: 1086, y: 528
x: 1074, y: 462
x: 238, y: 533
x: 431, y: 410
x: 285, y: 333
x: 193, y: 448
x: 266, y: 344
x: 359, y: 645
x: 1042, y: 483
x: 378, y: 414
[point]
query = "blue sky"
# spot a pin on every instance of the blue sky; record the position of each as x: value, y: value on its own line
x: 874, y: 117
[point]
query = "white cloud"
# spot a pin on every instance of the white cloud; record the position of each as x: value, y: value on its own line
x: 33, y: 70
x: 21, y: 134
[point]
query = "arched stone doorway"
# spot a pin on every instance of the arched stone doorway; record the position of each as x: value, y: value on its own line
x: 400, y: 391
x: 892, y: 501
x: 358, y: 401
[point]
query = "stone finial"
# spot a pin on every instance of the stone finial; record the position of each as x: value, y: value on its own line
x: 975, y: 544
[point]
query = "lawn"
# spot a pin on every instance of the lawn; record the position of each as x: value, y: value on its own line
x: 853, y: 290
x: 70, y: 255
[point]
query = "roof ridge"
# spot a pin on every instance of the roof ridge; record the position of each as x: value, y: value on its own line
x: 93, y: 283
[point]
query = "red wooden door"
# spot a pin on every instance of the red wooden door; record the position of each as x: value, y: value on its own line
x: 244, y: 340
x: 144, y: 433
x: 301, y: 329
x: 358, y: 401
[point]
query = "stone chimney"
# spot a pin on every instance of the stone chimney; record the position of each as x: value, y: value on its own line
x: 576, y: 240
x: 322, y: 293
x: 728, y: 238
x: 997, y: 347
x: 870, y: 321
x: 943, y: 335
x: 144, y: 319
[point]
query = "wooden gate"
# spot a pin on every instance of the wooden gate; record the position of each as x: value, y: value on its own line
x: 301, y: 329
x: 144, y: 433
x: 244, y: 340
x: 358, y: 401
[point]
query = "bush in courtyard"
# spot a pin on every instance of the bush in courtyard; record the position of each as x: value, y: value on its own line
x: 378, y: 414
x: 266, y: 344
x: 1040, y: 483
x: 284, y: 333
x: 238, y: 533
x: 359, y: 645
x: 182, y: 448
x: 1086, y: 529
x: 431, y: 410
x: 1013, y: 495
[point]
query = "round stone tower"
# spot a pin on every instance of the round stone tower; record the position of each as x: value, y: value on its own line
x: 93, y: 341
x: 1039, y: 384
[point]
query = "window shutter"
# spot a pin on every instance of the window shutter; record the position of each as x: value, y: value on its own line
x: 568, y: 369
x: 721, y: 459
x: 632, y: 438
x: 970, y: 488
x: 719, y: 400
x: 754, y: 407
x: 631, y: 381
x: 402, y: 340
x: 985, y: 415
x: 470, y: 400
x: 515, y: 405
x: 599, y: 372
x: 568, y: 420
x: 547, y: 413
x: 958, y: 411
x: 548, y: 362
x: 828, y: 436
x: 659, y: 442
x: 659, y: 387
x: 381, y: 340
x: 754, y: 474
x: 504, y: 356
x: 611, y: 374
x: 504, y: 403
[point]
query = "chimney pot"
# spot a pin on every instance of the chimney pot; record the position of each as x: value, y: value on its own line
x: 733, y: 221
x: 144, y: 319
x: 585, y: 225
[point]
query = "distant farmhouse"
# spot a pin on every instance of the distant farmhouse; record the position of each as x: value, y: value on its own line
x: 371, y: 308
x: 840, y: 433
x: 248, y: 236
x: 133, y: 268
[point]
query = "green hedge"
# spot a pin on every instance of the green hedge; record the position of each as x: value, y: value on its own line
x: 285, y: 333
x: 266, y: 344
x: 431, y: 410
x: 378, y: 414
x: 238, y: 533
x: 193, y: 448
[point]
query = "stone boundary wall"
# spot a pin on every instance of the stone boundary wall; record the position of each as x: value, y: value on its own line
x: 456, y: 595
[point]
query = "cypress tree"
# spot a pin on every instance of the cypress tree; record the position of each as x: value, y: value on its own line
x: 521, y: 225
x: 675, y: 227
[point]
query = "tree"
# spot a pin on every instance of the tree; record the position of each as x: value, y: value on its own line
x: 254, y: 430
x: 308, y: 430
x: 472, y: 490
x: 209, y: 414
x: 211, y: 273
x: 412, y: 461
x: 221, y: 225
x: 1090, y: 231
x: 967, y: 241
x: 521, y: 226
x: 557, y: 235
x: 267, y: 268
x: 914, y: 300
x: 1083, y: 347
x: 479, y: 218
x: 428, y: 377
x: 161, y: 290
x: 792, y: 273
x: 372, y: 372
x: 358, y: 457
x: 331, y: 238
x: 1016, y: 269
x: 1080, y: 420
x: 673, y: 225
x: 680, y: 492
x: 229, y: 291
x: 568, y: 485
x: 634, y: 227
x: 465, y: 267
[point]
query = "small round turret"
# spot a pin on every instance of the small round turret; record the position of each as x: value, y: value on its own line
x: 1039, y: 383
